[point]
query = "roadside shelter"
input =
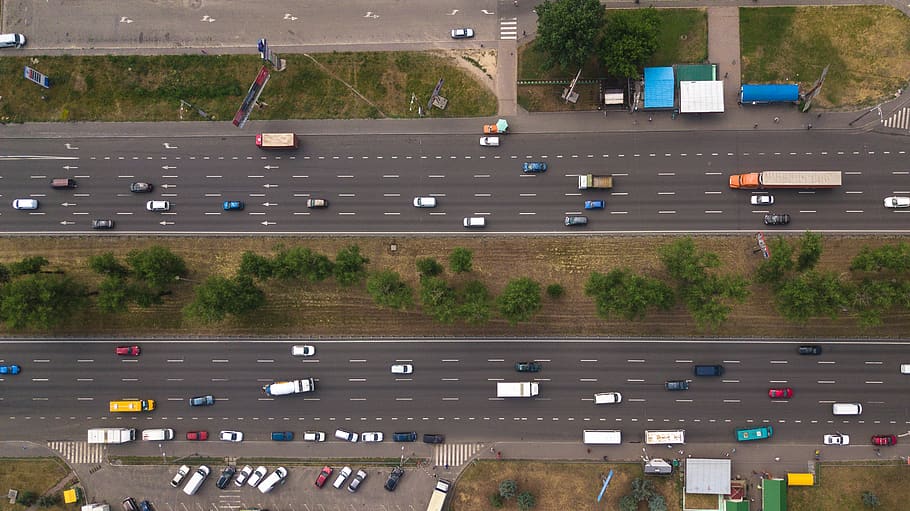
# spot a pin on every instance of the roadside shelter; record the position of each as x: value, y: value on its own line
x: 659, y: 88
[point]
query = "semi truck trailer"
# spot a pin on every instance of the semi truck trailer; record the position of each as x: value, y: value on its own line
x: 786, y: 179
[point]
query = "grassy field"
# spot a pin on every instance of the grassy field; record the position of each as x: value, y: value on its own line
x: 682, y: 39
x: 33, y: 474
x: 325, y: 309
x: 575, y: 488
x: 318, y: 86
x: 840, y: 488
x: 866, y: 47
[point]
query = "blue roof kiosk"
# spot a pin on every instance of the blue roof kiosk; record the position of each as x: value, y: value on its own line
x: 771, y: 93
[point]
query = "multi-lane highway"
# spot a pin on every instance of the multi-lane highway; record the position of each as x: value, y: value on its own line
x: 64, y: 388
x: 670, y: 182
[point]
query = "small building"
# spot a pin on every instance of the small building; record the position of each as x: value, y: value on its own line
x: 708, y: 476
x: 701, y: 97
x: 773, y: 495
x: 657, y: 466
x: 800, y: 479
x: 659, y: 88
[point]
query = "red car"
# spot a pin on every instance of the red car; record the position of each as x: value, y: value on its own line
x: 786, y: 393
x: 323, y: 476
x: 128, y: 351
x: 884, y: 440
x: 197, y: 435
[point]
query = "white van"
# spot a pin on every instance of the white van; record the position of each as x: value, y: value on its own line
x: 905, y: 368
x: 195, y: 482
x: 278, y: 476
x: 607, y: 398
x: 12, y: 40
x: 157, y: 435
x: 602, y: 437
x: 475, y: 221
x: 847, y: 409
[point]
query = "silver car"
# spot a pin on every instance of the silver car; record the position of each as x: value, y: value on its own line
x: 424, y: 202
x: 158, y: 205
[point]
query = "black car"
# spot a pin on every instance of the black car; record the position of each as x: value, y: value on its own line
x: 811, y: 349
x: 140, y: 187
x: 527, y: 367
x: 430, y: 438
x: 404, y: 436
x: 677, y: 385
x: 102, y: 224
x: 394, y: 477
x: 775, y: 219
x: 226, y: 476
x: 146, y: 506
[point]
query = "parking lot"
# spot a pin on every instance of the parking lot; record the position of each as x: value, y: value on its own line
x: 112, y: 484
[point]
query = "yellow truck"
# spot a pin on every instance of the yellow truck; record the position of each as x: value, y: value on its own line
x: 133, y: 405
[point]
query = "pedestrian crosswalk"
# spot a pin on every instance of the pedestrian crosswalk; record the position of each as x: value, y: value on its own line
x: 78, y: 452
x: 899, y: 119
x: 454, y: 455
x: 508, y: 28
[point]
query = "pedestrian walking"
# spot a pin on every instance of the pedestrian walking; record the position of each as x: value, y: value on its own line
x: 726, y: 74
x: 492, y: 450
x: 755, y: 126
x: 524, y: 33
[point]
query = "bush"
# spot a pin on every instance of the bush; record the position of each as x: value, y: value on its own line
x: 496, y: 500
x: 508, y: 489
x: 461, y: 260
x: 27, y: 498
x: 428, y: 267
x: 555, y: 291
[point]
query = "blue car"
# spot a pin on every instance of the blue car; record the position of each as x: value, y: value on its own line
x: 13, y: 369
x: 594, y: 204
x: 282, y: 436
x: 533, y: 166
x: 232, y: 204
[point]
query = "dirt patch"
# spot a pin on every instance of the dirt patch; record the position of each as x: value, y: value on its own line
x: 556, y: 486
x: 326, y: 309
x: 481, y: 64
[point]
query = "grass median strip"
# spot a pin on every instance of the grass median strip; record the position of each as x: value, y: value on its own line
x: 316, y: 86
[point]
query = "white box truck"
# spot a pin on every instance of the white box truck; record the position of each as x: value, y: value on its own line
x: 517, y: 389
x: 674, y: 436
x: 439, y: 495
x: 602, y: 437
x: 158, y: 435
x: 283, y: 388
x: 111, y: 435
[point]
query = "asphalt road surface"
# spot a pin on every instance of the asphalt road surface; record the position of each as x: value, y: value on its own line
x: 663, y: 182
x: 64, y: 388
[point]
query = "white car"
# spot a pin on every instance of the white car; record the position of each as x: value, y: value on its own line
x: 314, y: 436
x: 158, y: 205
x: 231, y: 436
x: 243, y: 475
x: 303, y: 350
x: 346, y: 435
x: 475, y: 221
x: 339, y: 481
x: 178, y: 477
x: 607, y: 398
x: 371, y: 436
x: 424, y: 202
x: 489, y: 141
x: 761, y: 200
x: 257, y: 476
x: 905, y: 368
x: 25, y: 204
x: 897, y: 202
x: 837, y: 439
x: 462, y: 33
x: 278, y: 476
x: 402, y: 369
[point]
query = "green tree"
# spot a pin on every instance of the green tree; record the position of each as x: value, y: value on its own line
x: 40, y: 301
x: 870, y: 499
x: 567, y: 31
x: 657, y: 503
x: 810, y: 251
x: 256, y: 266
x: 773, y: 269
x: 4, y: 274
x: 630, y: 39
x: 387, y: 289
x: 219, y: 296
x: 461, y: 260
x: 107, y: 264
x: 27, y: 498
x: 812, y: 294
x: 642, y: 489
x: 520, y: 300
x: 350, y: 266
x: 895, y: 258
x: 555, y: 291
x: 526, y: 501
x: 302, y: 263
x: 620, y: 292
x: 475, y: 303
x: 428, y: 267
x: 508, y: 489
x: 28, y: 265
x: 113, y: 294
x: 628, y: 503
x: 49, y: 500
x: 438, y: 299
x: 157, y: 266
x: 872, y: 298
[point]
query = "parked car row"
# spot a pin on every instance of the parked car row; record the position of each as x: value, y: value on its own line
x: 340, y: 479
x: 256, y: 479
